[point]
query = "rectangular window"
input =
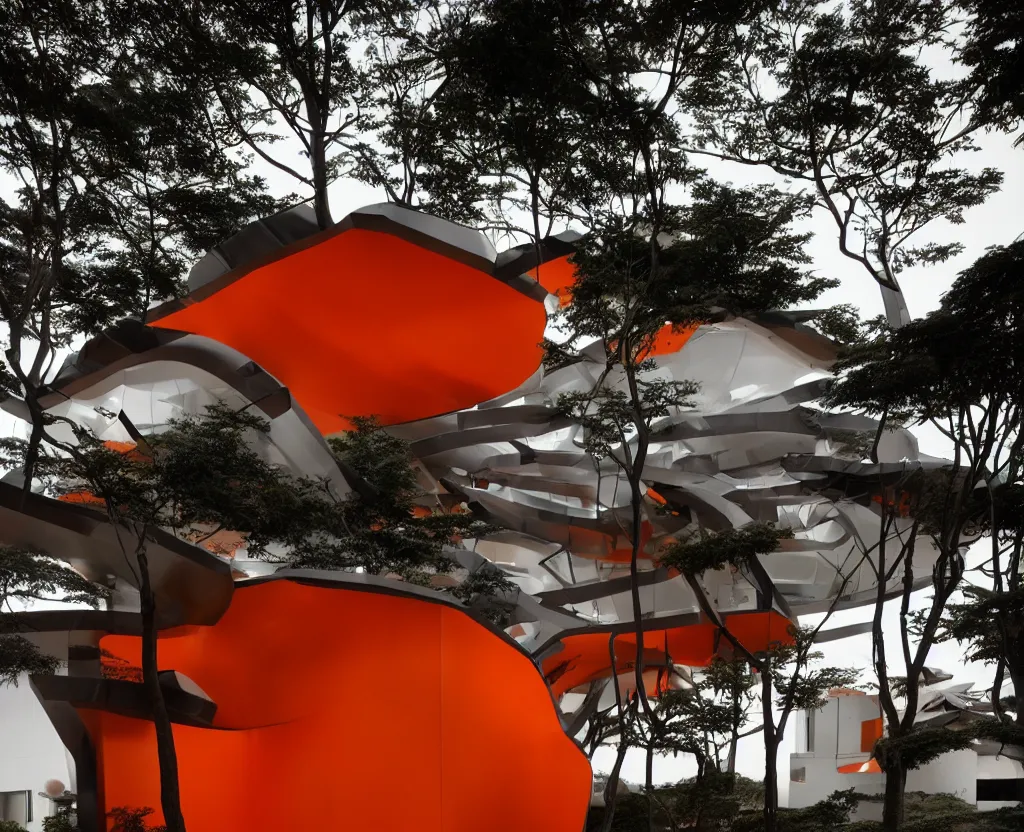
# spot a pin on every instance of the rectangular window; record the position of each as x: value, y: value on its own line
x: 809, y: 728
x: 798, y: 775
x: 16, y: 806
x: 1005, y: 789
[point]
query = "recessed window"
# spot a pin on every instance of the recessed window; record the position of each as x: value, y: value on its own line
x: 1008, y: 789
x: 16, y: 806
x: 798, y: 775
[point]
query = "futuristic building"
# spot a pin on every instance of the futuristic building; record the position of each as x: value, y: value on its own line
x: 289, y: 683
x: 834, y: 748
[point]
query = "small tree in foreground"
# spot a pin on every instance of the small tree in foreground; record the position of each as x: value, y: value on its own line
x: 789, y: 679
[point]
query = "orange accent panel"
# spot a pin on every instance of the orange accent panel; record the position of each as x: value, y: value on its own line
x: 338, y: 692
x: 557, y: 276
x: 670, y: 339
x: 870, y: 733
x: 585, y: 657
x: 365, y: 323
x: 870, y: 767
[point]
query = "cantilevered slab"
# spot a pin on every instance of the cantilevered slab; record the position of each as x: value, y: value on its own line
x: 192, y: 586
x: 391, y: 312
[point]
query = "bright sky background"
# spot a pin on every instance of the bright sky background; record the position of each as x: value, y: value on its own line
x: 999, y: 221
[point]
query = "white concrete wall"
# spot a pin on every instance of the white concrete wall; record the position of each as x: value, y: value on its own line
x: 822, y: 779
x: 30, y: 750
x: 998, y: 768
x: 954, y: 773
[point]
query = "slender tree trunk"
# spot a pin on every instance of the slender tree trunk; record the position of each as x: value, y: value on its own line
x: 611, y: 788
x: 895, y: 786
x: 649, y: 785
x: 170, y: 794
x: 320, y: 201
x: 771, y: 750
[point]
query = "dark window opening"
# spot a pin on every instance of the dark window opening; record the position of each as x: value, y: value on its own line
x: 1010, y: 789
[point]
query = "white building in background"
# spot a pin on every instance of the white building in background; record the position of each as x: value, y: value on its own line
x: 31, y: 754
x: 834, y: 744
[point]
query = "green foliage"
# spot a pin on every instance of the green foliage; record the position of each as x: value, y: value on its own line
x: 729, y: 547
x: 130, y: 819
x: 919, y: 747
x: 829, y: 815
x: 59, y: 822
x: 27, y: 575
x: 993, y: 50
x: 485, y: 590
x: 841, y: 323
x: 969, y: 352
x: 703, y: 719
x: 799, y: 683
x: 376, y: 529
x: 206, y: 473
x: 610, y: 417
x: 840, y: 97
x: 11, y: 826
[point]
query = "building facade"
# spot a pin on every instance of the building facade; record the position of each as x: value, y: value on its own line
x: 31, y: 754
x: 834, y: 746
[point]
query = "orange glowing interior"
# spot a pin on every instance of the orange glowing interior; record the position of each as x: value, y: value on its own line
x: 365, y: 323
x: 416, y: 717
x: 585, y: 657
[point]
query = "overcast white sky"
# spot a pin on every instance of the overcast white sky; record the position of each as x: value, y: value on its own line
x: 998, y: 221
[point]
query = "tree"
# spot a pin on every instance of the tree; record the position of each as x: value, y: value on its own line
x: 205, y: 474
x: 127, y: 819
x: 27, y: 576
x: 840, y: 98
x: 201, y: 475
x: 993, y: 50
x: 380, y: 530
x: 789, y: 679
x: 119, y: 183
x: 269, y: 70
x: 958, y: 370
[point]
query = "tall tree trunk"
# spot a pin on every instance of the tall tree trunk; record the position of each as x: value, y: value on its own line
x: 170, y: 794
x: 649, y: 785
x: 771, y: 750
x: 611, y: 788
x: 895, y: 786
x: 320, y: 201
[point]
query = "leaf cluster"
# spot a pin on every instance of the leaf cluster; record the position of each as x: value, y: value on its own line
x: 27, y: 575
x: 729, y: 547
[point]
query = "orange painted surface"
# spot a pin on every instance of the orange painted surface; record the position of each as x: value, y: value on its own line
x: 870, y: 767
x: 557, y: 276
x: 870, y: 733
x: 364, y: 323
x: 670, y: 340
x: 585, y: 657
x: 595, y: 545
x: 378, y: 712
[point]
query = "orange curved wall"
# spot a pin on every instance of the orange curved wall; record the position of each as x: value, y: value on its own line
x: 367, y: 324
x: 350, y: 710
x: 585, y: 657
